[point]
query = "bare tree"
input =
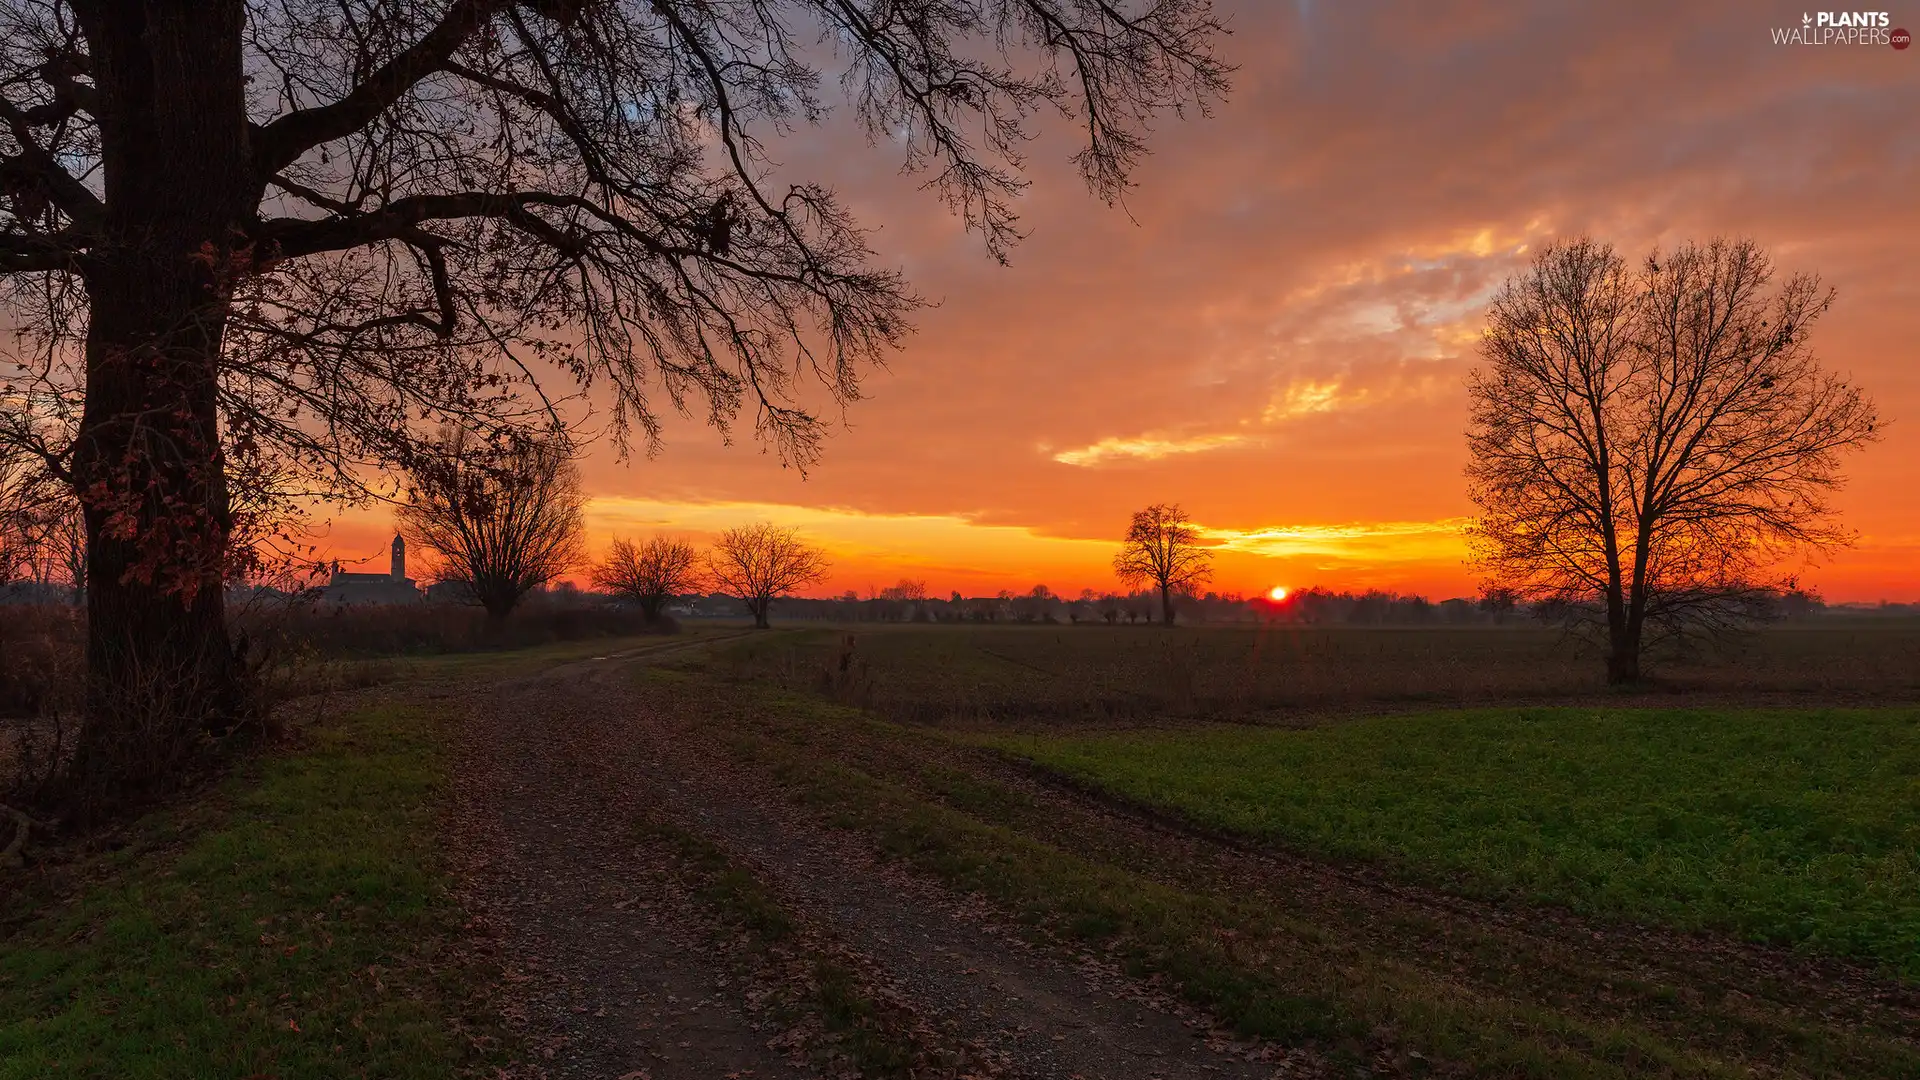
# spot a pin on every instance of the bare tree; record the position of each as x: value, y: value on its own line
x: 1035, y: 605
x: 1647, y: 445
x: 19, y: 504
x: 650, y: 574
x: 313, y: 228
x: 501, y: 519
x: 904, y: 599
x: 761, y: 563
x: 1163, y: 549
x: 1498, y: 601
x: 905, y: 590
x: 55, y: 534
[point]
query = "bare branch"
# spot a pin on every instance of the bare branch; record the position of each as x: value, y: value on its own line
x: 282, y: 142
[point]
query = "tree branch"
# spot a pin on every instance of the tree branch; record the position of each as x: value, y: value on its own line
x: 282, y: 142
x: 33, y: 162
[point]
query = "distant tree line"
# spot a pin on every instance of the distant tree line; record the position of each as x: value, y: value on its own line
x: 908, y: 602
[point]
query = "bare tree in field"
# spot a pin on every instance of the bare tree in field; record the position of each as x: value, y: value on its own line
x: 906, y: 590
x: 314, y: 229
x: 650, y: 574
x: 1162, y: 548
x: 502, y: 520
x: 761, y: 563
x: 1647, y: 444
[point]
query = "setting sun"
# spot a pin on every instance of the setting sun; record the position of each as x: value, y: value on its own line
x: 1279, y: 593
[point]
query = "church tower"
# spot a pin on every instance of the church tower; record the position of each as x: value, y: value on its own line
x: 399, y: 558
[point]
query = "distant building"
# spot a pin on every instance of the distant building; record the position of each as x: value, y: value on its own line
x: 394, y: 587
x: 453, y: 591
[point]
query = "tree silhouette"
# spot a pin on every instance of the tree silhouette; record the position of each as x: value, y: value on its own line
x: 650, y: 574
x: 306, y: 228
x: 22, y: 497
x: 761, y: 563
x: 1645, y: 445
x: 1162, y: 548
x: 503, y: 520
x: 1499, y: 601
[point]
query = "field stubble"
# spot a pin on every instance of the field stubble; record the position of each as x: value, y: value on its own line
x: 1052, y: 675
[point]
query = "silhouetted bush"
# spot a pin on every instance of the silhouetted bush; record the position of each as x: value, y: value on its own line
x: 41, y: 652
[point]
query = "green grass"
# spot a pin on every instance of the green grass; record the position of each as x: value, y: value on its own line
x: 1166, y: 931
x: 1353, y: 973
x: 293, y: 924
x: 1262, y: 970
x: 1798, y: 827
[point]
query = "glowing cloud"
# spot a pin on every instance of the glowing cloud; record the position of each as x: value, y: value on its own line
x: 1372, y: 541
x: 1299, y: 399
x: 951, y: 550
x: 1149, y: 448
x: 1305, y: 399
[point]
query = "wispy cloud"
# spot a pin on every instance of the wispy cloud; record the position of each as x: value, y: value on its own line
x: 1295, y: 401
x: 955, y: 550
x: 1370, y: 541
x: 1307, y: 398
x: 1150, y: 448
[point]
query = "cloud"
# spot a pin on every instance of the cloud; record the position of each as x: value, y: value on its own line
x: 1297, y: 400
x: 1373, y: 541
x: 1306, y: 399
x: 1149, y: 448
x: 961, y: 551
x: 952, y: 549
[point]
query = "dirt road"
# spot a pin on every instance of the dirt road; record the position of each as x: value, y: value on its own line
x: 627, y: 976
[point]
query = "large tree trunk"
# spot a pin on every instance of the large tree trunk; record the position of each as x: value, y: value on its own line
x: 1166, y: 605
x: 1623, y: 665
x: 176, y: 168
x: 1623, y: 651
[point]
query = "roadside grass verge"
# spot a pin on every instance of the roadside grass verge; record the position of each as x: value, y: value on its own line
x: 1387, y: 987
x: 292, y: 923
x: 1792, y: 827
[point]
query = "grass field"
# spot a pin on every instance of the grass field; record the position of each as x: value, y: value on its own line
x: 296, y: 922
x: 1368, y: 973
x: 293, y: 925
x: 1797, y: 827
x: 968, y: 674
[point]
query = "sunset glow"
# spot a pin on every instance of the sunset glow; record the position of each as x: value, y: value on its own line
x: 1277, y: 340
x: 1278, y: 593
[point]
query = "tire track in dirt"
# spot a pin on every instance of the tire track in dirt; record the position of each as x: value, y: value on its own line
x: 576, y: 760
x: 615, y: 979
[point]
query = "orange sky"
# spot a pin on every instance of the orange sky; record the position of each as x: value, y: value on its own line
x: 1275, y: 331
